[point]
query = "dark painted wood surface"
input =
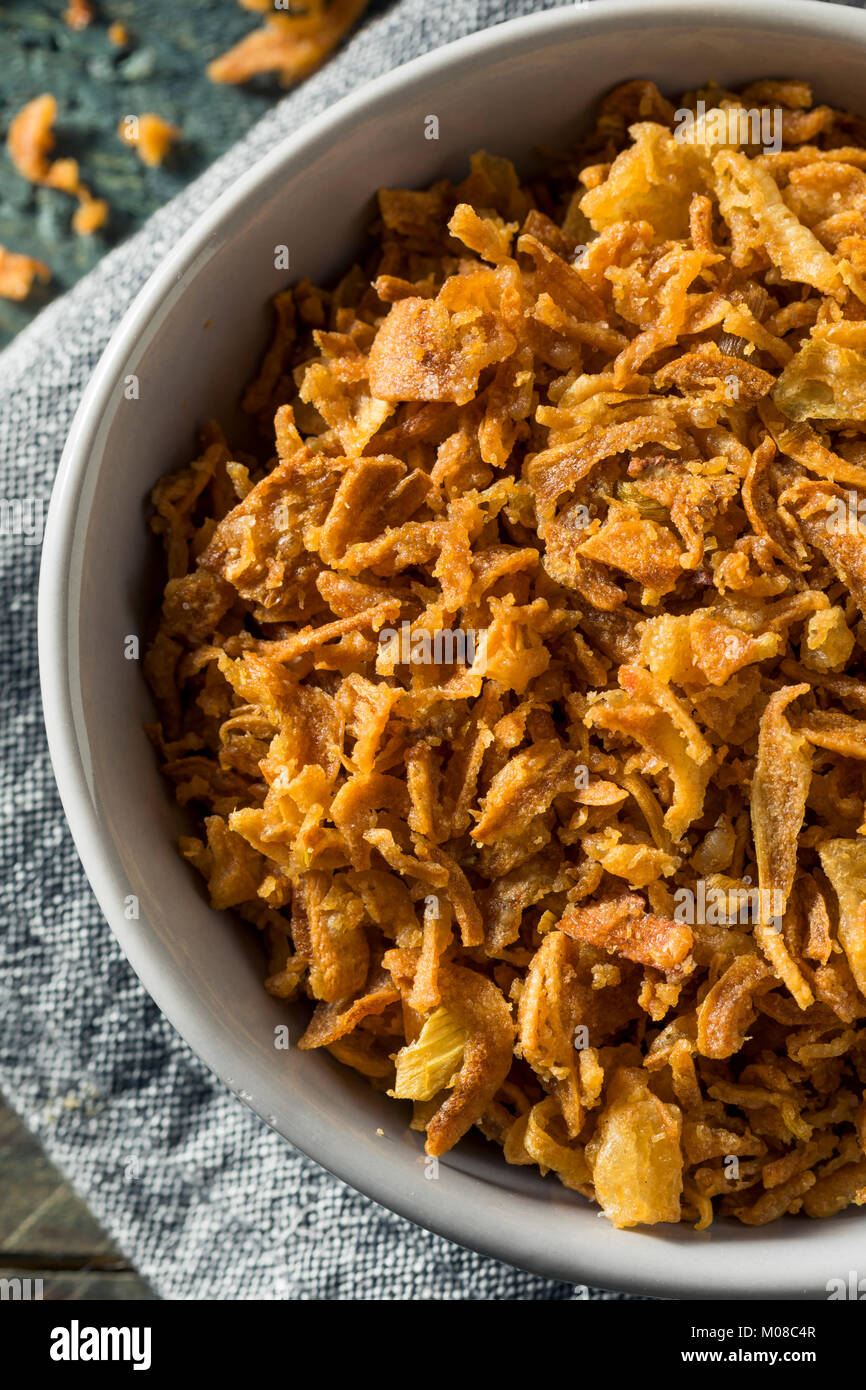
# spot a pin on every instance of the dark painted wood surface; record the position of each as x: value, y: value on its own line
x: 96, y: 84
x: 47, y: 1232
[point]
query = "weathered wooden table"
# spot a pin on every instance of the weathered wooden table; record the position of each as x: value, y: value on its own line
x: 97, y: 83
x: 47, y: 1232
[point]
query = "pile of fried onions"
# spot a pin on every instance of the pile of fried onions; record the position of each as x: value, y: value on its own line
x: 595, y: 882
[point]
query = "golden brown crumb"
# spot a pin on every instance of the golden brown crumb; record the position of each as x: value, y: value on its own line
x: 30, y: 139
x: 118, y: 34
x: 150, y: 135
x: 78, y: 14
x: 17, y: 274
x: 292, y: 45
x: 90, y: 215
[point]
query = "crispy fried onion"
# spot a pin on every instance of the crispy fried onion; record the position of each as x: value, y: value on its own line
x: 622, y: 926
x: 727, y: 1010
x: 648, y: 713
x: 780, y: 786
x: 635, y: 1155
x: 474, y: 1005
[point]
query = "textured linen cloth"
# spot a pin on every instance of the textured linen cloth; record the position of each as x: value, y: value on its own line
x: 206, y: 1201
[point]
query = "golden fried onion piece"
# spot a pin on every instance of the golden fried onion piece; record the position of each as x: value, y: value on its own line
x: 474, y: 1005
x: 290, y: 45
x: 780, y: 786
x: 635, y: 1156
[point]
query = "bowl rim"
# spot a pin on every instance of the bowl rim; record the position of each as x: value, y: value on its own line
x: 638, y: 1266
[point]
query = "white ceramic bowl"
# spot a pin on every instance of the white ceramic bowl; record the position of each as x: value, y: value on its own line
x: 192, y: 338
